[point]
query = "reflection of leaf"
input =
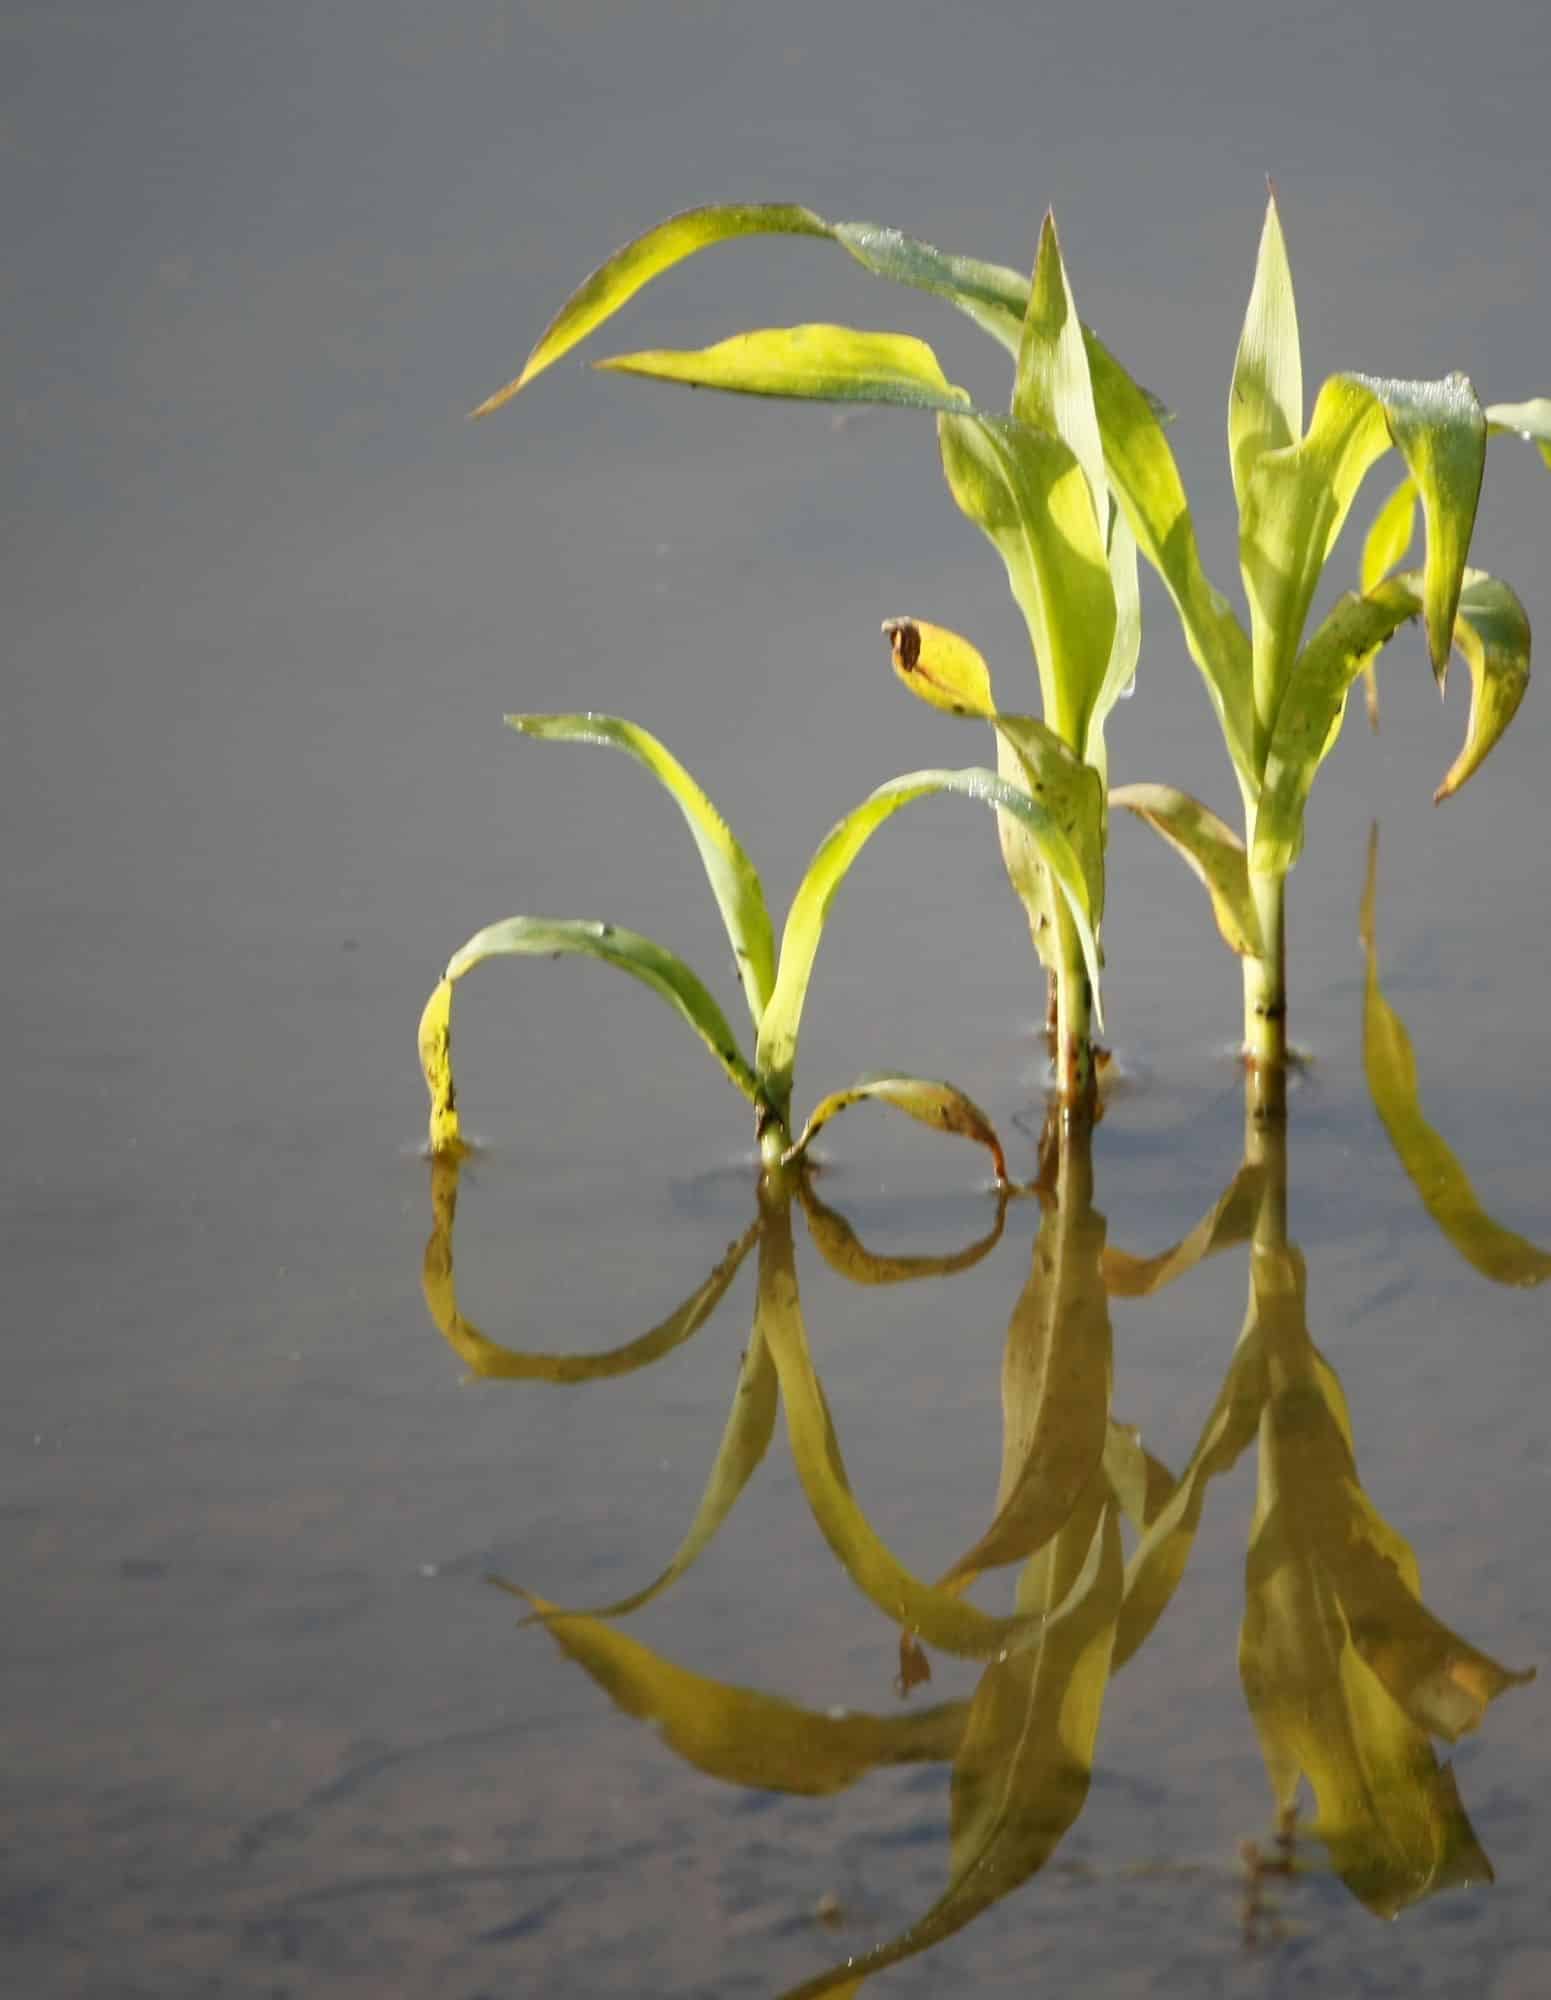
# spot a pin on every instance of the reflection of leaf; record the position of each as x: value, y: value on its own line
x: 1345, y: 1670
x: 738, y: 1735
x: 1023, y: 1769
x: 940, y: 1618
x: 1433, y: 1170
x: 1230, y: 1222
x: 488, y: 1358
x: 749, y: 1429
x: 845, y: 1254
x: 1056, y: 1382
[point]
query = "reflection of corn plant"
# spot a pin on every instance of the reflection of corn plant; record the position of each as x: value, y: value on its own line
x: 1034, y: 482
x: 1280, y: 699
x: 775, y: 985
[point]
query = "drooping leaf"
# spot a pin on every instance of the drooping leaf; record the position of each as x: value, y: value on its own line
x: 1530, y: 421
x: 821, y: 364
x: 1265, y: 403
x: 1145, y: 477
x: 493, y: 1361
x: 992, y: 295
x: 846, y: 1255
x: 620, y: 277
x: 1027, y: 492
x: 1071, y: 791
x: 738, y: 1735
x: 938, y: 1105
x: 665, y: 974
x: 1431, y: 1166
x: 1053, y: 391
x: 745, y: 1439
x: 1210, y: 849
x: 733, y: 877
x: 816, y: 893
x: 1493, y: 636
x: 939, y: 1618
x: 445, y: 1140
x: 1308, y: 720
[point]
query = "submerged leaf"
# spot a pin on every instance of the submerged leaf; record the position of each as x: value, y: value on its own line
x: 1432, y: 1168
x: 825, y: 364
x: 665, y: 974
x: 1027, y: 491
x: 938, y: 1105
x: 810, y: 908
x: 620, y: 277
x: 737, y: 1734
x: 494, y: 1362
x: 1265, y: 403
x: 1210, y: 849
x: 733, y: 877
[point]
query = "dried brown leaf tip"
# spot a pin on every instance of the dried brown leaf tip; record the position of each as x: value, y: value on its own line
x: 904, y: 637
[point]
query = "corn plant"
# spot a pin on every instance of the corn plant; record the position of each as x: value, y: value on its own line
x: 775, y: 984
x: 1034, y: 482
x: 1279, y: 700
x: 1280, y: 697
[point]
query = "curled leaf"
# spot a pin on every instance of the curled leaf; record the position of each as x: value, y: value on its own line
x: 733, y: 877
x: 938, y: 1105
x: 1493, y: 636
x: 939, y: 667
x: 1210, y: 849
x: 825, y: 364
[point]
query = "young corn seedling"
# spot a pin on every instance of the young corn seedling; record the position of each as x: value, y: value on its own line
x: 775, y: 984
x: 1280, y: 697
x: 1035, y: 482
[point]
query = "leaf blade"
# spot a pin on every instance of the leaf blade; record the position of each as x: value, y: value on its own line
x: 810, y: 363
x: 733, y: 877
x: 1209, y: 848
x: 940, y: 1106
x: 1265, y: 402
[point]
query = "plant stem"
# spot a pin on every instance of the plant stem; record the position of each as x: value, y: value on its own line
x: 1265, y: 979
x: 1074, y: 1021
x: 773, y: 1139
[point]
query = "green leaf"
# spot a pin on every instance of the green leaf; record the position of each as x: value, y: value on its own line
x: 1053, y: 391
x: 1146, y: 480
x: 1071, y: 791
x: 939, y: 1617
x: 739, y: 1735
x: 1432, y: 1168
x: 1120, y: 674
x: 1493, y: 636
x: 1297, y: 500
x: 667, y: 975
x: 777, y: 1049
x: 824, y: 364
x: 849, y: 1258
x: 992, y: 295
x: 492, y: 1361
x: 733, y: 877
x: 938, y: 1105
x: 1212, y: 851
x: 1309, y: 718
x: 1027, y: 492
x: 1530, y: 421
x: 601, y: 295
x: 1265, y: 403
x: 1389, y: 538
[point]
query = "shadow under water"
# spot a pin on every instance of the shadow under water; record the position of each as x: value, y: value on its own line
x: 1348, y: 1676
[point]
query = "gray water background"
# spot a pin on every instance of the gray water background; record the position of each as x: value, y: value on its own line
x: 266, y: 597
